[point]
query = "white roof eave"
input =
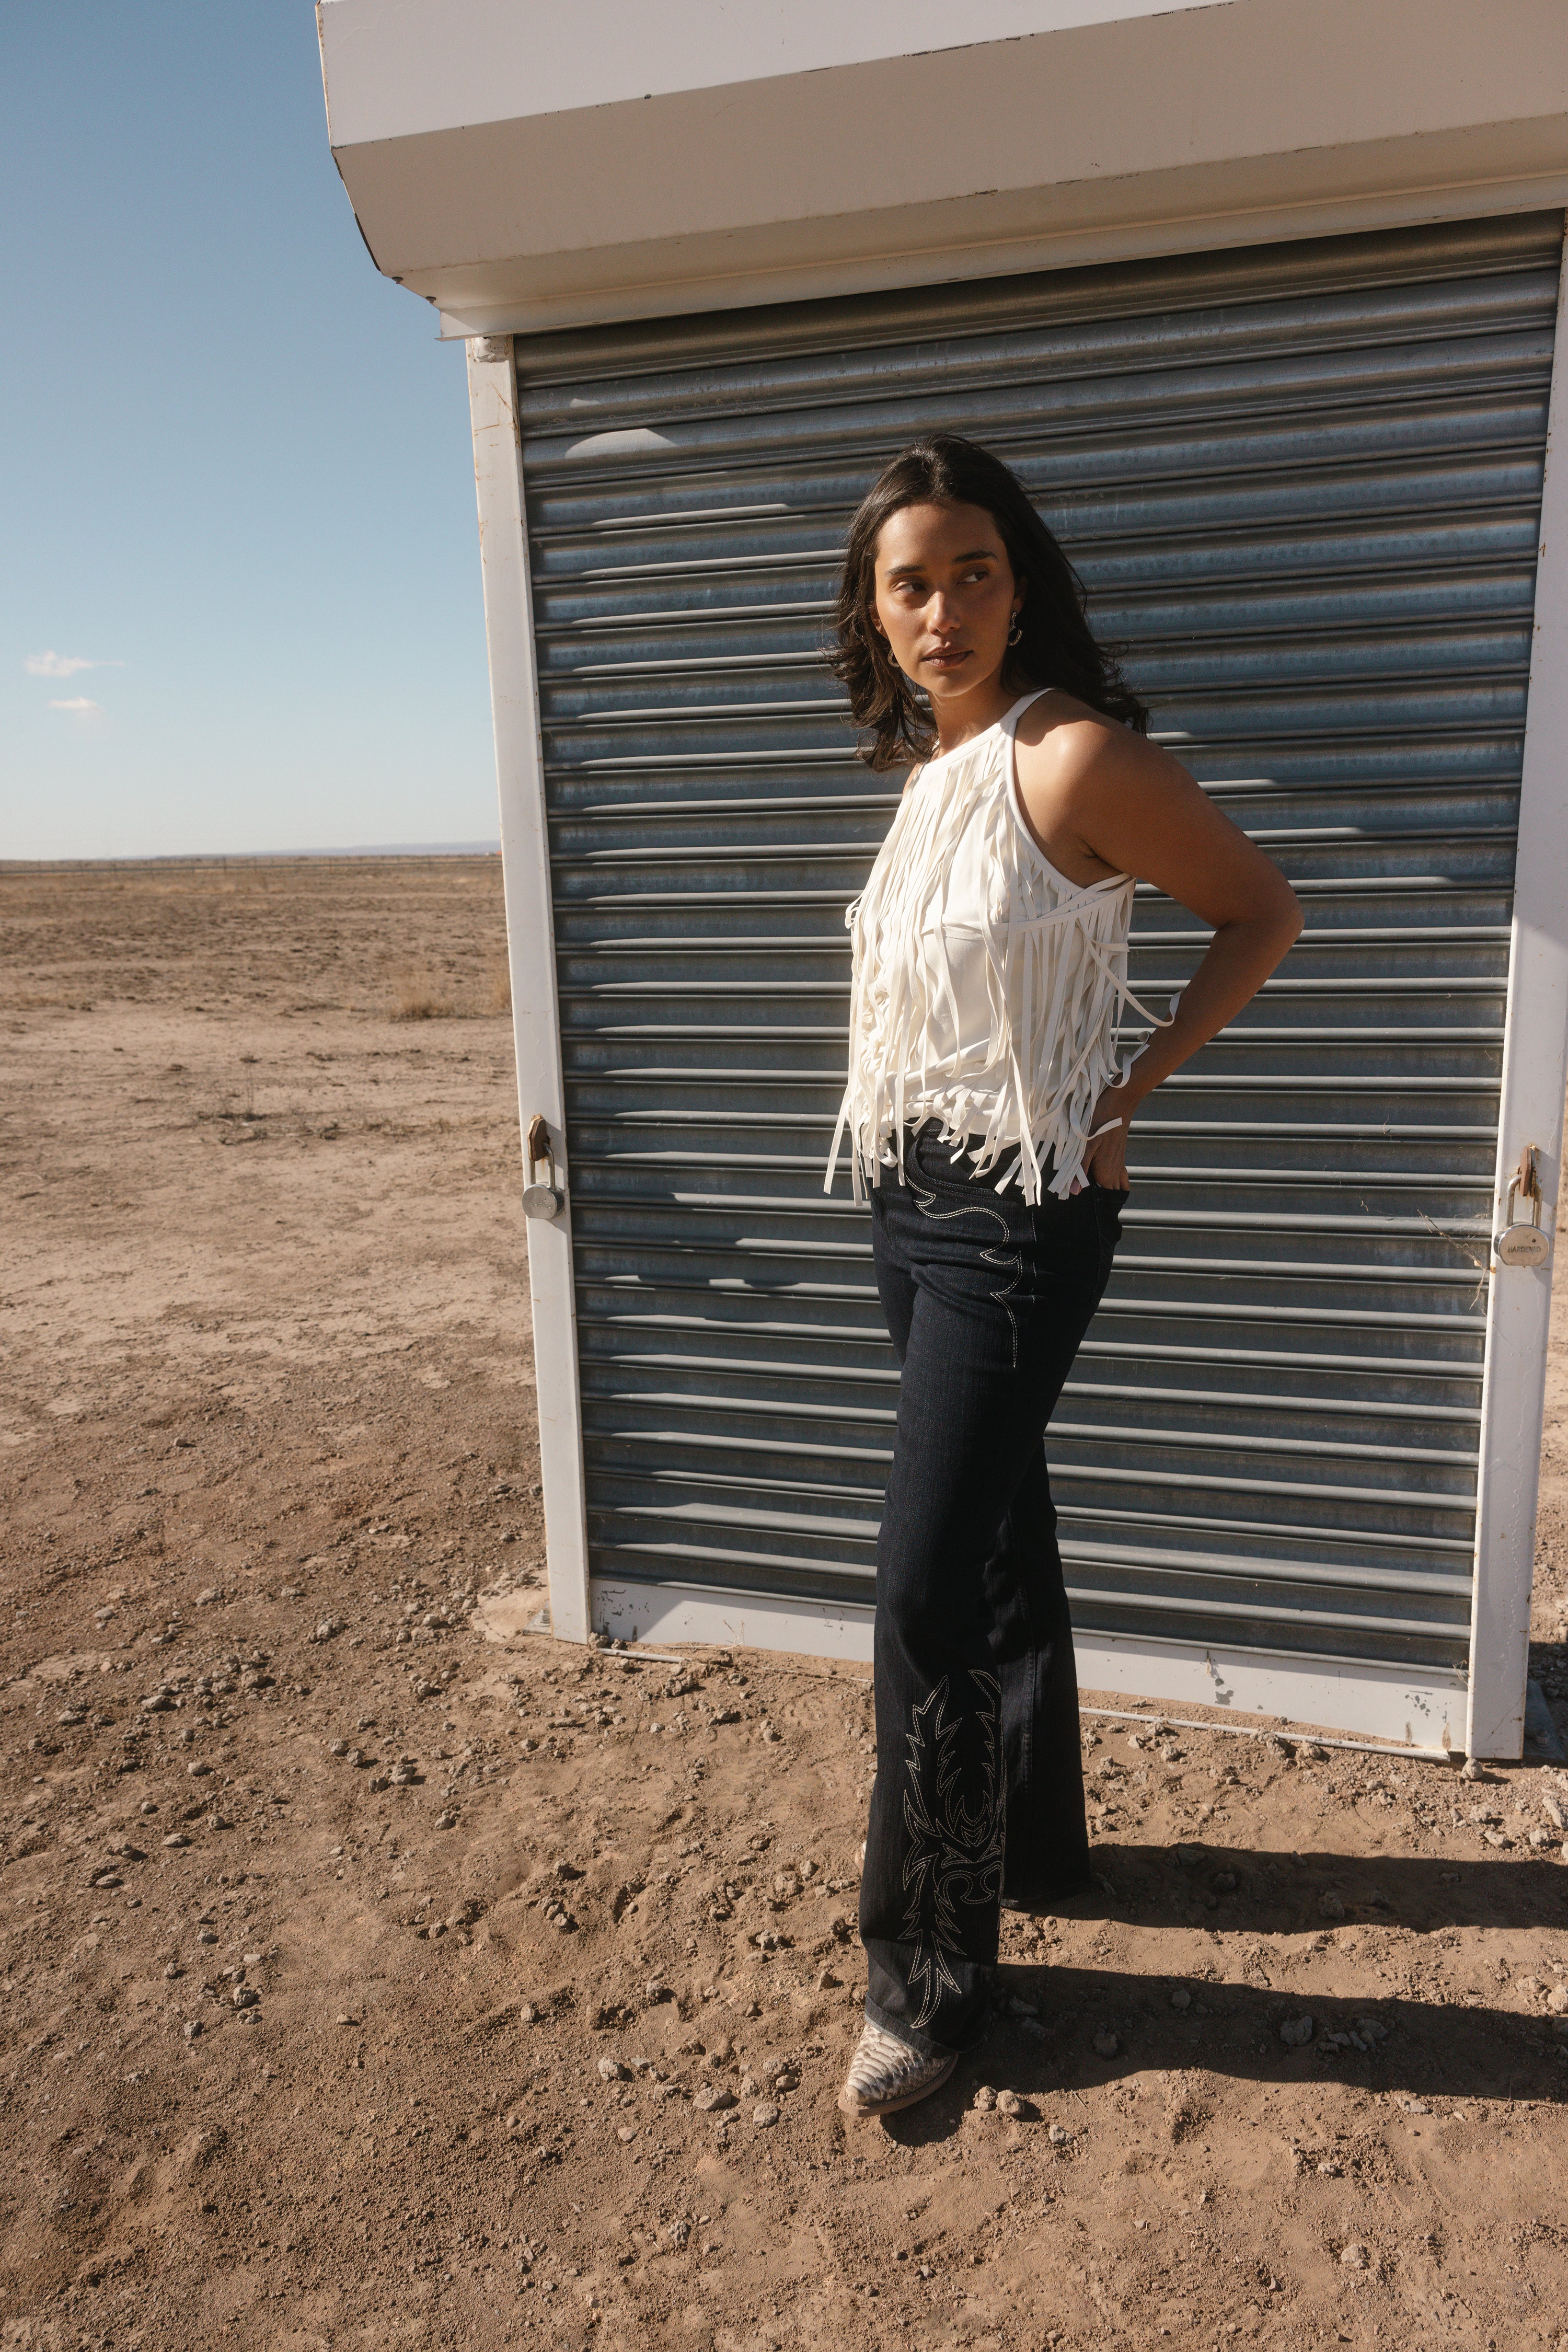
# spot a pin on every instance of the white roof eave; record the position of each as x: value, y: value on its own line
x: 1140, y: 130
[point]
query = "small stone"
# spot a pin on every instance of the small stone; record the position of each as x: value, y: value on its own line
x: 985, y: 2098
x: 612, y: 2071
x: 655, y: 1991
x: 107, y: 1880
x: 1181, y: 1997
x: 1008, y: 2102
x: 627, y: 2134
x: 193, y: 2028
x: 1331, y: 1906
x: 445, y: 1821
x: 219, y: 1821
x: 1058, y: 2136
x: 1106, y: 2045
x: 198, y: 1772
x: 1296, y: 2032
x: 174, y: 1970
x: 1224, y: 1882
x: 1557, y: 2001
x: 1471, y: 1770
x: 328, y: 1627
x: 1554, y: 1811
x: 786, y: 2080
x: 175, y: 1838
x: 767, y: 1941
x: 245, y: 1997
x: 337, y: 1748
x: 765, y: 2116
x: 1356, y: 2257
x: 769, y: 1735
x: 713, y: 2099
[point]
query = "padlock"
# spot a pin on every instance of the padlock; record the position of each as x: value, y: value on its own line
x: 541, y: 1200
x: 1521, y: 1245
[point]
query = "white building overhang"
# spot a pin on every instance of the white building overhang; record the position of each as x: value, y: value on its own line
x: 616, y: 162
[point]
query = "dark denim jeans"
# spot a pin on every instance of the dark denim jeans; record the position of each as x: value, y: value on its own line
x: 979, y: 1787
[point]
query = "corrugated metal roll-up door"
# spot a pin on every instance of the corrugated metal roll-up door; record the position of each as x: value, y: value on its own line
x: 1303, y: 484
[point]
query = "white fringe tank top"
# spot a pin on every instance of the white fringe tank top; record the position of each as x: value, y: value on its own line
x: 987, y: 987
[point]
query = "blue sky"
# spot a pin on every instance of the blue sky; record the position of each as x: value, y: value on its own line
x: 235, y: 477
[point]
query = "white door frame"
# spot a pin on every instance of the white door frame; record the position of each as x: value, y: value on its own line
x: 1535, y: 1069
x: 530, y: 952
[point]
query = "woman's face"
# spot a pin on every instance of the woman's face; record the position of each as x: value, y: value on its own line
x: 945, y: 598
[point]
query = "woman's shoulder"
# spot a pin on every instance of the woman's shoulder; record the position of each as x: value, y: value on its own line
x: 1056, y: 717
x: 1067, y: 743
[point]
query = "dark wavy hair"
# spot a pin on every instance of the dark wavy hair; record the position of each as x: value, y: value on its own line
x: 1055, y: 646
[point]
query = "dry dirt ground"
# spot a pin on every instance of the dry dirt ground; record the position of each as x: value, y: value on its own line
x: 372, y: 1981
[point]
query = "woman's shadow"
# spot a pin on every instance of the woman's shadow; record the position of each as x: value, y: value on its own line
x: 1062, y: 2027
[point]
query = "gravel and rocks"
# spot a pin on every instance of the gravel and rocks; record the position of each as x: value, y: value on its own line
x: 331, y: 2075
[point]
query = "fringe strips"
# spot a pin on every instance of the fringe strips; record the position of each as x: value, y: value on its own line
x: 1060, y: 954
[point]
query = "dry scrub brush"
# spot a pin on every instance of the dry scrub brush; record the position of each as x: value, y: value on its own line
x: 416, y: 997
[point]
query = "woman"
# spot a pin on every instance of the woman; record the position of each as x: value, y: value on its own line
x: 985, y: 1114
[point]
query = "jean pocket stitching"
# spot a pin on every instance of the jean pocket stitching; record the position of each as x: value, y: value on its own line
x: 1012, y: 1265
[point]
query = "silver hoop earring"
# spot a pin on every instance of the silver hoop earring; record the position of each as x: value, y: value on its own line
x: 1015, y: 632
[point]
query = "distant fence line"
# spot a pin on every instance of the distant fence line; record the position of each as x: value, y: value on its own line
x: 461, y: 852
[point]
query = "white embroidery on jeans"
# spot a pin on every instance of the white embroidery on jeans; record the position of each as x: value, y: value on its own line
x: 1012, y: 1265
x: 954, y: 1854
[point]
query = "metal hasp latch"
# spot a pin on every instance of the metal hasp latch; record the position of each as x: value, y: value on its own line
x: 1521, y: 1245
x: 541, y: 1200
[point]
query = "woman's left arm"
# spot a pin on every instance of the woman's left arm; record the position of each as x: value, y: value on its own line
x: 1138, y: 811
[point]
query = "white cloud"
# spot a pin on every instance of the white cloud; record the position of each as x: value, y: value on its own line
x: 53, y: 665
x: 74, y: 702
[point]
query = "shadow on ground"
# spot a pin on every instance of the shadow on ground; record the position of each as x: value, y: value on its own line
x: 1429, y: 2050
x: 1419, y: 2050
x: 1285, y: 1894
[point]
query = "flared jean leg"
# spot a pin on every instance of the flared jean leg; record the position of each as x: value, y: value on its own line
x: 1047, y: 1853
x: 978, y: 1785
